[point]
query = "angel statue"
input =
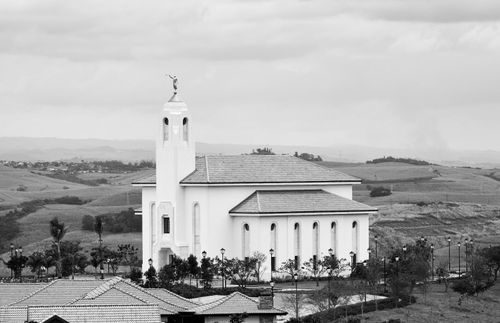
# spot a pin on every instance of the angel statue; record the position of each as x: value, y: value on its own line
x: 174, y: 82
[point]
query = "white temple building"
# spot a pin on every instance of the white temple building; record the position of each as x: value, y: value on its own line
x: 244, y: 203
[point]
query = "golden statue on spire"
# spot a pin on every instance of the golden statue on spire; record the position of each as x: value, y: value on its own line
x: 175, y: 82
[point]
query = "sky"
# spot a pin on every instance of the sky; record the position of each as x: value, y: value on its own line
x: 383, y: 73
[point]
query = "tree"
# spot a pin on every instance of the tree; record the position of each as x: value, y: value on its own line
x: 238, y: 318
x: 136, y: 275
x: 207, y: 272
x: 72, y: 259
x: 261, y: 259
x: 151, y: 278
x: 128, y: 255
x: 88, y: 223
x: 288, y: 267
x: 58, y: 231
x: 241, y: 270
x: 317, y: 267
x: 262, y: 151
x: 98, y: 228
x: 492, y: 257
x: 193, y: 268
x: 36, y: 261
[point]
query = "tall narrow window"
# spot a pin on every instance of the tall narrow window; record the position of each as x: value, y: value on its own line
x: 315, y: 242
x: 297, y: 245
x: 333, y: 237
x: 166, y: 224
x: 196, y: 229
x: 165, y: 129
x: 273, y: 237
x: 355, y: 237
x: 246, y: 240
x: 185, y: 129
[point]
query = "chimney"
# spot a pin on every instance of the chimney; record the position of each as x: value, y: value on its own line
x: 265, y: 300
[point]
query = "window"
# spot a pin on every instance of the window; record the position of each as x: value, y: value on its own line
x: 333, y: 237
x: 185, y: 129
x: 315, y: 242
x: 246, y: 240
x: 165, y: 129
x: 196, y: 229
x: 297, y: 243
x: 166, y: 225
x: 355, y: 237
x: 273, y: 237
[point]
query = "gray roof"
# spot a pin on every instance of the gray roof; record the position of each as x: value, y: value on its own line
x: 297, y: 201
x: 247, y: 169
x: 234, y: 303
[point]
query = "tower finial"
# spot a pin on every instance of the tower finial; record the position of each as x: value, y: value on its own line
x: 175, y: 82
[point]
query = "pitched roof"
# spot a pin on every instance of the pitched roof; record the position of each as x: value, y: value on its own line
x: 83, y: 313
x: 59, y: 292
x: 233, y: 304
x: 241, y: 169
x: 12, y: 292
x: 297, y: 201
x: 172, y: 298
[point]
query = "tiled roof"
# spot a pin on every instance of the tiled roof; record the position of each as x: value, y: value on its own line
x: 239, y: 169
x: 83, y: 313
x: 297, y: 201
x: 172, y: 298
x: 233, y: 304
x: 147, y: 180
x: 10, y: 293
x: 59, y: 292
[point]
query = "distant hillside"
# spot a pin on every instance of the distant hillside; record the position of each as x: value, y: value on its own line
x: 391, y: 159
x: 31, y: 149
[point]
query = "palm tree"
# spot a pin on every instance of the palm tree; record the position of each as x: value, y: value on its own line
x: 98, y: 229
x: 57, y: 231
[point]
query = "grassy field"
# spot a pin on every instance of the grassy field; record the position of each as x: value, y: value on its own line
x: 114, y: 197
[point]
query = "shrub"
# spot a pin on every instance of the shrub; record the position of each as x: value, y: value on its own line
x: 380, y: 191
x: 88, y: 222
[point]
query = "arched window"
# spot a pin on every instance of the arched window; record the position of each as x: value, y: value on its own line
x: 315, y: 242
x: 196, y: 229
x: 355, y: 230
x: 297, y: 245
x: 165, y: 129
x: 246, y: 240
x: 273, y: 237
x: 185, y: 129
x: 333, y: 237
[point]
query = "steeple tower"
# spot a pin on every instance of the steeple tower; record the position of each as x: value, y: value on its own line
x: 175, y: 159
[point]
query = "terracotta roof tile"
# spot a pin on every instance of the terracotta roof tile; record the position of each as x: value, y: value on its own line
x: 12, y: 292
x: 297, y: 201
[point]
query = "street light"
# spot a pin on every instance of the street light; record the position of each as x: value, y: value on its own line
x: 330, y: 252
x: 296, y: 278
x: 222, y: 251
x: 449, y: 254
x: 432, y: 260
x: 385, y: 275
x: 272, y: 289
x: 404, y: 252
x: 352, y: 258
x: 376, y: 246
x: 471, y: 254
x: 273, y: 262
x: 204, y: 254
x: 369, y: 252
x: 397, y: 262
x: 459, y: 244
x: 466, y: 255
x: 150, y: 262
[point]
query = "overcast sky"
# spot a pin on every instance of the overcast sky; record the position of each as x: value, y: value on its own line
x: 399, y: 74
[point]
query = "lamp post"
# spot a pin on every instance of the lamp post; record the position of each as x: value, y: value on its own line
x: 432, y: 261
x: 330, y: 269
x: 272, y: 289
x: 296, y: 278
x: 222, y: 251
x: 376, y: 246
x: 273, y: 262
x: 204, y: 254
x: 449, y: 254
x: 404, y: 252
x: 369, y: 252
x: 352, y: 259
x: 397, y: 262
x: 471, y: 254
x: 385, y: 275
x: 459, y: 244
x: 466, y: 255
x: 11, y: 256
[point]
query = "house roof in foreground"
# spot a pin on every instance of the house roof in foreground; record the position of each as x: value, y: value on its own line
x: 12, y: 292
x: 234, y: 303
x: 297, y: 201
x: 258, y: 169
x: 145, y: 313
